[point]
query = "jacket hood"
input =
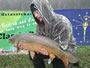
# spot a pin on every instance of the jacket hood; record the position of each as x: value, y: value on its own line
x: 47, y: 14
x: 45, y: 10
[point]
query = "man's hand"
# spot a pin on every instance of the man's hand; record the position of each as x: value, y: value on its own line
x: 43, y: 51
x: 18, y: 46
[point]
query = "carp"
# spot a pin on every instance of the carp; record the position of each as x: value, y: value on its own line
x: 34, y: 43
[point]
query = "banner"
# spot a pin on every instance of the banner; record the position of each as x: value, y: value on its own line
x: 80, y: 20
x: 12, y: 23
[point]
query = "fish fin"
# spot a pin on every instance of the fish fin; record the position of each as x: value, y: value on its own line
x: 18, y: 50
x: 37, y: 52
x: 65, y: 61
x: 51, y: 57
x: 32, y: 53
x: 17, y: 44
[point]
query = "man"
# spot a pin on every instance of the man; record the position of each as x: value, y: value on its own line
x: 56, y: 27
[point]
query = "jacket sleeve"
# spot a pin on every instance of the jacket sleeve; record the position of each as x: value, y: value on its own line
x: 63, y: 33
x: 64, y: 37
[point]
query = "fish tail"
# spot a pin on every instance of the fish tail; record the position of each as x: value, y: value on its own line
x: 18, y: 49
x: 71, y: 58
x: 68, y: 58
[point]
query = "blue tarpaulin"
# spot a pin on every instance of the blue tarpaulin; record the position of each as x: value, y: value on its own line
x: 80, y: 20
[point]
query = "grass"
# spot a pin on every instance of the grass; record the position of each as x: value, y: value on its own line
x: 22, y: 61
x: 83, y: 54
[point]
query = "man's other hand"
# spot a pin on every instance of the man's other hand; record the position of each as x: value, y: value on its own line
x: 43, y: 51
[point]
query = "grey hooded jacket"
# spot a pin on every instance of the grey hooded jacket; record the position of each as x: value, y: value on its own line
x: 57, y: 27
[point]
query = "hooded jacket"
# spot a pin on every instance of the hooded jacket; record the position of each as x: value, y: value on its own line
x: 55, y: 26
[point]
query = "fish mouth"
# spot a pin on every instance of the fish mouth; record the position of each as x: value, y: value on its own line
x: 9, y: 41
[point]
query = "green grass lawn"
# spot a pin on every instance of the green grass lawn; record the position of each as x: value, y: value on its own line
x: 22, y: 61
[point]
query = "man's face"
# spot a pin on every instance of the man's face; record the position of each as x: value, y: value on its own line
x: 37, y: 15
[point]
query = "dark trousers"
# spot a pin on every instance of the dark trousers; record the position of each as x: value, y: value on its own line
x: 39, y: 63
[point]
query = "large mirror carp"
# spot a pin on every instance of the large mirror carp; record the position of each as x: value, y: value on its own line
x: 34, y: 43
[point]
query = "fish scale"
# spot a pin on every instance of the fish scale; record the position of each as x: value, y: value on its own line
x: 40, y: 39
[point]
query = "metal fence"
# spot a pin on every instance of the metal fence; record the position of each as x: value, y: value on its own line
x: 23, y: 5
